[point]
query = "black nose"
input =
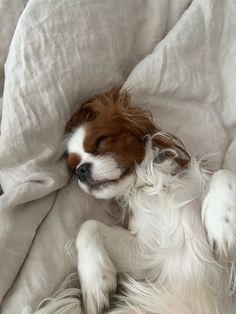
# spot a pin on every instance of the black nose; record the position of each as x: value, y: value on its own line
x: 83, y: 172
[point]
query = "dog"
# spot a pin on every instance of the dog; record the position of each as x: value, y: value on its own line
x: 177, y: 248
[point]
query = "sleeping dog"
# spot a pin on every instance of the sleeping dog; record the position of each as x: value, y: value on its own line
x: 177, y: 250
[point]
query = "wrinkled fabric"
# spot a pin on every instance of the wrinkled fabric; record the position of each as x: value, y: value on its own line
x: 177, y: 58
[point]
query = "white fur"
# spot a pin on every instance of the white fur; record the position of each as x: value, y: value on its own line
x: 64, y: 301
x: 104, y: 168
x: 167, y: 252
x: 96, y: 270
x: 76, y: 141
x: 219, y: 213
x: 166, y: 245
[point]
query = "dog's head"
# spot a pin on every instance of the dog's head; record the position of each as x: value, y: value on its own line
x: 107, y: 140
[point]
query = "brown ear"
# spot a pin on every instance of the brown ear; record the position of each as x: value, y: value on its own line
x: 84, y: 114
x: 141, y: 124
x: 175, y: 148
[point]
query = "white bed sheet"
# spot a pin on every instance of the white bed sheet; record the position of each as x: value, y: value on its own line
x: 179, y: 57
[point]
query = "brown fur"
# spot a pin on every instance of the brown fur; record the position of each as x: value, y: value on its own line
x: 73, y: 160
x: 114, y: 126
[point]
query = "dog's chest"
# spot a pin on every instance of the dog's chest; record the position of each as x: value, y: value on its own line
x: 166, y: 224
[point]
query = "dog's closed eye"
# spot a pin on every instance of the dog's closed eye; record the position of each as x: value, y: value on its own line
x: 98, y: 141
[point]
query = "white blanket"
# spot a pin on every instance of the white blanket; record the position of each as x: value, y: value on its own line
x: 177, y: 57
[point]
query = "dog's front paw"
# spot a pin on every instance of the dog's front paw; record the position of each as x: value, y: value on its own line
x: 97, y: 286
x: 96, y: 270
x: 219, y: 213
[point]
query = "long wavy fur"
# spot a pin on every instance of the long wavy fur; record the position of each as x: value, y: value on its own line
x: 173, y: 280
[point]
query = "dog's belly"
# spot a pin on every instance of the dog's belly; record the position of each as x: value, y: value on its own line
x: 175, y: 253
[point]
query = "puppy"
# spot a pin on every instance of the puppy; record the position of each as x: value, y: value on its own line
x: 178, y: 248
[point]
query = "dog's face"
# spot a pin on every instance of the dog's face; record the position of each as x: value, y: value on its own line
x: 107, y: 141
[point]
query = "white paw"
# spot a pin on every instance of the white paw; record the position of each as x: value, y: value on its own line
x: 96, y: 270
x: 219, y: 213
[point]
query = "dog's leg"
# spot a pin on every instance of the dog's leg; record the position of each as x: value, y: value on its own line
x: 102, y: 252
x: 219, y: 213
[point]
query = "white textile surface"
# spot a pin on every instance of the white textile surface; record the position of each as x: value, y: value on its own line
x: 177, y: 57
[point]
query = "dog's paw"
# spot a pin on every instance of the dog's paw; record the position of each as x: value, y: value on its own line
x: 97, y: 286
x: 219, y: 213
x: 96, y: 270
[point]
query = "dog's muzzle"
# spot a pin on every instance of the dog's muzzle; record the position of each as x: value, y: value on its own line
x: 83, y: 172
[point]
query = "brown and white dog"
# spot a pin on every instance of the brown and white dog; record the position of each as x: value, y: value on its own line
x: 182, y: 219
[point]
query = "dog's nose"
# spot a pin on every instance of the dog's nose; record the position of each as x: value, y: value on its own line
x: 83, y: 171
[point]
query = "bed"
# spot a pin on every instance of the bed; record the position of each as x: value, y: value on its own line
x: 176, y: 58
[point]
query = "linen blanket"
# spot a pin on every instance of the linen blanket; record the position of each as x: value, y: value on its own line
x: 177, y: 58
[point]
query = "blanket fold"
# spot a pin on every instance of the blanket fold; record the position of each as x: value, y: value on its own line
x: 177, y: 58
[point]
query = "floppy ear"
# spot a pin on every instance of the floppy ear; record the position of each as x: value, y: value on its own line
x: 173, y: 147
x: 140, y: 123
x: 84, y: 114
x: 92, y: 107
